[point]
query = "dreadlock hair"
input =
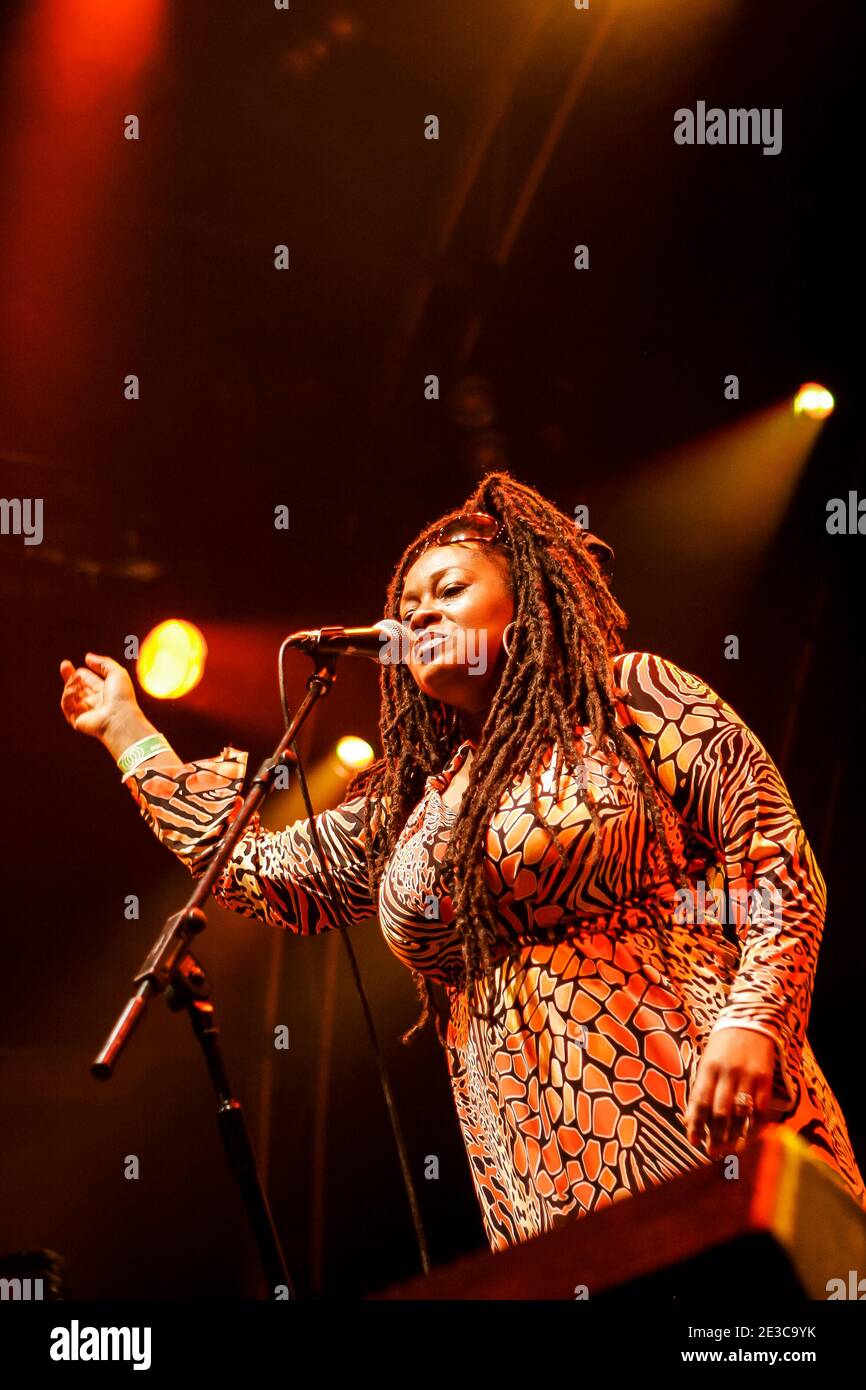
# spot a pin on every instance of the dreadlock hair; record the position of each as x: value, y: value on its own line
x: 556, y: 678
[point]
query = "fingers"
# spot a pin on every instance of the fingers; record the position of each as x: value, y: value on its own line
x: 716, y: 1120
x: 102, y: 665
x: 71, y: 701
x: 701, y: 1105
x: 762, y: 1090
x: 725, y: 1126
x: 732, y: 1090
x: 80, y: 692
x: 93, y: 661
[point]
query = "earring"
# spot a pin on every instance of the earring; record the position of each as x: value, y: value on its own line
x: 506, y: 636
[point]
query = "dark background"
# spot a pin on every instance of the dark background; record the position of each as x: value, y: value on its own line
x: 305, y: 388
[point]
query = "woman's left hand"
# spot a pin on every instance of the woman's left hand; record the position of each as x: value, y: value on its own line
x: 734, y: 1060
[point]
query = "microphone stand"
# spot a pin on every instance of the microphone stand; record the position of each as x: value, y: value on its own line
x: 171, y: 969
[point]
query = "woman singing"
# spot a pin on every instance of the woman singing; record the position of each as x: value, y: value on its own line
x: 532, y: 839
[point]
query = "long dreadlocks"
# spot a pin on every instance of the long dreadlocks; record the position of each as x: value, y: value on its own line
x: 557, y: 677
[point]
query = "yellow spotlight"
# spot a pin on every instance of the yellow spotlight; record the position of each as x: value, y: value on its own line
x: 171, y: 660
x: 813, y: 400
x: 354, y: 753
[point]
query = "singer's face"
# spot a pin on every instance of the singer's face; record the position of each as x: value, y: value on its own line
x: 457, y: 603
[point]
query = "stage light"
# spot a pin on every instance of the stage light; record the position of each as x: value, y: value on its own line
x: 299, y: 61
x: 344, y: 26
x: 171, y: 660
x: 813, y: 400
x: 354, y: 753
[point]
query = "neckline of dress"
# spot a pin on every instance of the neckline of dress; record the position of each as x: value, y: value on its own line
x: 447, y: 812
x: 439, y: 781
x: 460, y: 754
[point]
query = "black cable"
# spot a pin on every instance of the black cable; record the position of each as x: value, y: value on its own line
x: 343, y: 925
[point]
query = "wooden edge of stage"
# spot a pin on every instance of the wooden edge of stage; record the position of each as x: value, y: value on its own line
x: 782, y: 1192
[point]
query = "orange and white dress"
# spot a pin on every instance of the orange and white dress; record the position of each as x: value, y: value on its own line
x: 605, y: 990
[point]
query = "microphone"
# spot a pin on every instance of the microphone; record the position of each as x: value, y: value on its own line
x: 387, y: 642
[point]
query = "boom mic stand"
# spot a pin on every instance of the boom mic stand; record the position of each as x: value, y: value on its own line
x: 171, y: 969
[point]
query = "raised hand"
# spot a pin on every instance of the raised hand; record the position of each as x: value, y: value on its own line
x: 99, y: 699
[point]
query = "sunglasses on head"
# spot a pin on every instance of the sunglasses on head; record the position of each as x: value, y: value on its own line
x: 478, y: 526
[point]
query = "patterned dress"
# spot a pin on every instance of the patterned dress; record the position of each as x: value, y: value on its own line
x: 607, y: 986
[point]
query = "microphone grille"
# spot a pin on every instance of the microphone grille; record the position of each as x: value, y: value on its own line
x: 398, y: 642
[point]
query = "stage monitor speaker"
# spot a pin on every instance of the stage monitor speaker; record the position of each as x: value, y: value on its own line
x: 783, y: 1228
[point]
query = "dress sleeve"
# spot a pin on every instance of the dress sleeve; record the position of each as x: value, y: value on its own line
x: 272, y: 875
x: 723, y: 782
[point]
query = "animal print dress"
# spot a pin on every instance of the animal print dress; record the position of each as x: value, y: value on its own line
x: 608, y: 980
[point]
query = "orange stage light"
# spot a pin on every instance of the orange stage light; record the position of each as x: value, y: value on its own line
x: 354, y: 753
x: 172, y: 659
x: 813, y: 400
